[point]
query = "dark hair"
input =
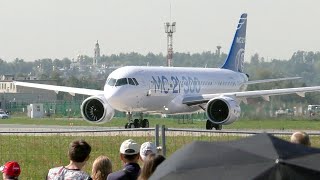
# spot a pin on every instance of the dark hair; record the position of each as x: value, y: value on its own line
x: 79, y: 150
x: 131, y: 157
x: 150, y: 164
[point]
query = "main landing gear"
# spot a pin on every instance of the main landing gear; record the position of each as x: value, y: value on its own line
x: 210, y: 125
x: 136, y: 123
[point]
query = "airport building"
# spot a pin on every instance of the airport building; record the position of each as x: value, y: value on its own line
x: 12, y: 96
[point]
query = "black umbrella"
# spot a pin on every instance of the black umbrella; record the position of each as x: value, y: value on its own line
x: 261, y: 156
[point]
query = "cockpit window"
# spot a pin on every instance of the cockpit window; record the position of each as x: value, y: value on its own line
x: 131, y: 81
x: 111, y: 82
x: 121, y: 82
x: 135, y: 81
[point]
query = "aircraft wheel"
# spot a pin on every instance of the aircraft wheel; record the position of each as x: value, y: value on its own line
x: 126, y: 126
x: 136, y: 123
x: 145, y: 123
x: 131, y: 125
x: 209, y: 125
x: 217, y: 126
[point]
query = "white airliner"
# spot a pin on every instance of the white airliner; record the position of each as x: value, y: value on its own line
x: 176, y: 90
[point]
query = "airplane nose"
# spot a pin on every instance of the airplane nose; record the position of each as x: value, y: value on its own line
x: 109, y: 91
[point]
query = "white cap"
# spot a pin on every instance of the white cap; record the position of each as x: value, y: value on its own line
x: 129, y: 147
x: 146, y: 149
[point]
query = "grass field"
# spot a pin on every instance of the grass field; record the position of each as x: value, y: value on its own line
x: 37, y: 153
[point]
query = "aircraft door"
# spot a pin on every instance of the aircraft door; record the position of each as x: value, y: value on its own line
x: 142, y: 91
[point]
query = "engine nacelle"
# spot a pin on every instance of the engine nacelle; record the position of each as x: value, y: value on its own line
x: 223, y: 110
x: 96, y: 109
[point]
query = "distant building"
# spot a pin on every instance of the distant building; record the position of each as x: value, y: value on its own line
x: 218, y: 50
x: 79, y: 63
x: 12, y: 95
x: 96, y: 54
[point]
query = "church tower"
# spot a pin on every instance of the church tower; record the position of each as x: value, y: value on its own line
x: 96, y: 54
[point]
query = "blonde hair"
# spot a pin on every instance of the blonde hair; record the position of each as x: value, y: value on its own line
x: 150, y: 164
x: 101, y: 168
x: 300, y: 138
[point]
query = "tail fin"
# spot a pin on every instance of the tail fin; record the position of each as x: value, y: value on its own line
x: 235, y: 57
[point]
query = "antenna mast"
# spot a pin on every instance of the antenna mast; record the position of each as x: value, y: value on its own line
x: 170, y: 28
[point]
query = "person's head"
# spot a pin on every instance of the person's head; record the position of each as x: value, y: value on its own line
x: 11, y: 170
x: 146, y: 149
x: 129, y: 151
x: 151, y: 162
x: 79, y: 151
x: 300, y: 138
x: 159, y: 150
x: 101, y: 168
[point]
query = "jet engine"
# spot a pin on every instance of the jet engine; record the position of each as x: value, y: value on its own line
x: 96, y: 109
x: 223, y: 110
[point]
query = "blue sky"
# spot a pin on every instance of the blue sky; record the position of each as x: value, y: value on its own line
x: 36, y: 29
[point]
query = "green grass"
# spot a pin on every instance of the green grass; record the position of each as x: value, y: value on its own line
x: 37, y: 154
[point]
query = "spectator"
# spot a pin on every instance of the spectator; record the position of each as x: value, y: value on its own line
x: 101, y: 168
x: 300, y: 138
x: 78, y: 153
x: 129, y: 154
x: 146, y: 149
x: 159, y: 150
x: 151, y: 162
x: 11, y: 170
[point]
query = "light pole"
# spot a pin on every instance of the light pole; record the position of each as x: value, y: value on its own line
x: 169, y: 29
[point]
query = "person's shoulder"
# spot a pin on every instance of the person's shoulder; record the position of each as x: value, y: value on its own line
x: 55, y: 169
x: 76, y: 175
x: 54, y: 172
x: 68, y: 173
x: 116, y: 175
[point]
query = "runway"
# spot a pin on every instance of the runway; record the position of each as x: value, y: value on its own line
x: 45, y: 130
x: 48, y: 128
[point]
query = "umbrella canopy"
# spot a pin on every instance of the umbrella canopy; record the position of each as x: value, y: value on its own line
x: 261, y: 156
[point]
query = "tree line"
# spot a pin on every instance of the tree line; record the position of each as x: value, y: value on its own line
x: 301, y: 64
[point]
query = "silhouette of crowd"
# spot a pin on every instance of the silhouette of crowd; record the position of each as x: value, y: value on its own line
x: 130, y: 154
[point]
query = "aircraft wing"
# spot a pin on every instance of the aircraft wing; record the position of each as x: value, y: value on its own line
x: 265, y: 94
x: 271, y: 80
x: 70, y: 90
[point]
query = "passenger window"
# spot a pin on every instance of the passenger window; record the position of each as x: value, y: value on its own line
x: 135, y: 81
x: 122, y: 81
x: 131, y: 81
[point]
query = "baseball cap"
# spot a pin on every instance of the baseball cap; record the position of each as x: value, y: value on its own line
x: 146, y: 149
x: 11, y: 168
x: 129, y: 147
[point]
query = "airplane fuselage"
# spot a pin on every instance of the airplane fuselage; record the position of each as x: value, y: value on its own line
x: 161, y: 89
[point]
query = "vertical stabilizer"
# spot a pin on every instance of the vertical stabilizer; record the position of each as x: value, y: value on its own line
x: 235, y: 57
